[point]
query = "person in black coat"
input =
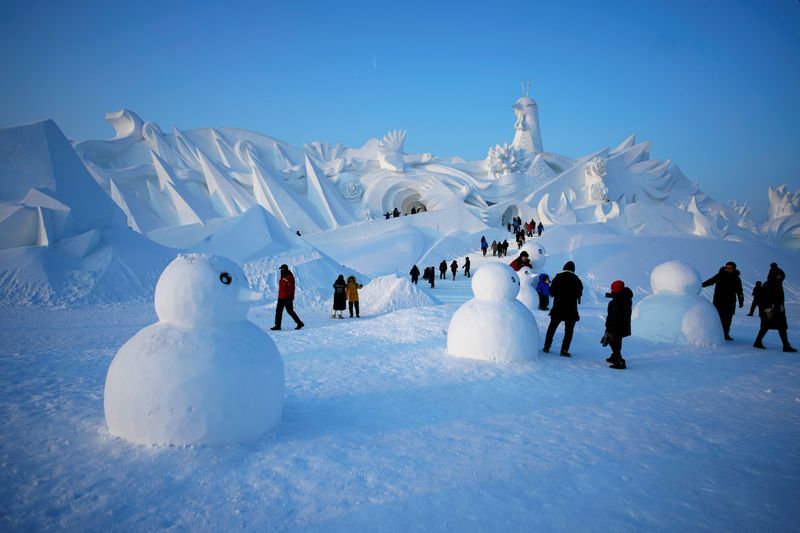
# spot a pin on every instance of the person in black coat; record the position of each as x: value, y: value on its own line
x: 454, y: 268
x: 466, y: 267
x: 443, y: 270
x: 566, y: 290
x: 414, y: 274
x: 339, y: 297
x: 618, y: 322
x: 727, y: 287
x: 771, y: 308
x: 754, y: 305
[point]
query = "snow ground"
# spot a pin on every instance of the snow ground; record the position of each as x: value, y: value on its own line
x: 383, y: 431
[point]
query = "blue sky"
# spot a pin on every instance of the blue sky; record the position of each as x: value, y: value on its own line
x: 714, y: 84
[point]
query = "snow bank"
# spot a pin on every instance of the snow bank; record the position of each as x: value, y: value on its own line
x: 390, y: 293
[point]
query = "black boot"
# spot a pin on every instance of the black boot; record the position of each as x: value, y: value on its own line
x: 619, y: 364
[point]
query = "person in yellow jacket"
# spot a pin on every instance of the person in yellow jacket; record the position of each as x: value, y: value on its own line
x: 352, y: 295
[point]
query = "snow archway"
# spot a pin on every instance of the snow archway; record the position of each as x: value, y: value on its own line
x: 509, y: 214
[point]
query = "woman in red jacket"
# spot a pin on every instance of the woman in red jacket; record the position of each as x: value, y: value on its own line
x: 286, y: 299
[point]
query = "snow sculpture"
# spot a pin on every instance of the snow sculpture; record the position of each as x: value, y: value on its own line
x: 676, y: 313
x: 783, y: 225
x: 494, y: 326
x: 596, y: 171
x: 202, y: 374
x: 527, y: 291
x: 527, y: 136
x: 126, y: 124
x: 537, y: 255
x: 505, y: 159
x: 390, y: 151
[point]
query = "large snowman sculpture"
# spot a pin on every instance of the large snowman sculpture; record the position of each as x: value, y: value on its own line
x: 494, y: 325
x: 202, y: 374
x: 529, y: 277
x: 676, y: 313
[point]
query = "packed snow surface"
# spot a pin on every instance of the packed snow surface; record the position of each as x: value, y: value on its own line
x: 202, y: 374
x: 494, y: 325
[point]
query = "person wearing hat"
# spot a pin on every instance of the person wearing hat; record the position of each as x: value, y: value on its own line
x: 286, y: 299
x: 771, y: 308
x: 727, y: 287
x: 618, y: 322
x: 522, y: 260
x: 566, y: 290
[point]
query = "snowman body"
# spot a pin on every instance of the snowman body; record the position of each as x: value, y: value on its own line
x: 676, y: 313
x: 494, y: 325
x: 203, y: 374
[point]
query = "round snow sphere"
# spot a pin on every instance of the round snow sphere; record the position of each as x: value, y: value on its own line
x: 183, y: 386
x: 495, y: 281
x: 677, y: 319
x: 493, y: 330
x: 198, y: 289
x: 675, y: 276
x: 536, y: 253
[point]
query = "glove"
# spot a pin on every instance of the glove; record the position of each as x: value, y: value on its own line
x: 606, y: 338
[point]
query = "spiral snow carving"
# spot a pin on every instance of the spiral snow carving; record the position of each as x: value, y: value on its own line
x: 245, y: 150
x: 597, y: 167
x: 564, y: 213
x: 151, y: 132
x: 505, y: 159
x: 351, y: 189
x: 126, y: 124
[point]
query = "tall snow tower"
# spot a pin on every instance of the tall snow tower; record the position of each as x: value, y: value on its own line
x: 527, y: 136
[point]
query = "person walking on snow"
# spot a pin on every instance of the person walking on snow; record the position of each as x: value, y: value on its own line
x: 566, y: 290
x: 454, y: 268
x: 352, y: 295
x: 756, y: 290
x: 339, y: 297
x: 466, y: 267
x: 414, y: 273
x: 618, y: 322
x: 484, y: 245
x: 522, y: 260
x: 727, y: 287
x: 494, y: 248
x: 443, y: 269
x: 543, y: 290
x: 286, y: 299
x: 539, y: 230
x: 771, y: 309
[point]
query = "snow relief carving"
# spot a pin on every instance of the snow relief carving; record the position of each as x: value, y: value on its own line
x: 390, y: 151
x: 505, y: 159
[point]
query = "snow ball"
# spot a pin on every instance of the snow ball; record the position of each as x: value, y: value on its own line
x: 198, y: 289
x: 495, y: 281
x: 536, y: 253
x: 676, y: 277
x: 493, y: 330
x: 677, y: 319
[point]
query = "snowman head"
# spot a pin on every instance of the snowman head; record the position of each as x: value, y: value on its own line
x: 203, y: 289
x: 526, y: 276
x: 675, y: 277
x: 536, y: 253
x: 495, y: 281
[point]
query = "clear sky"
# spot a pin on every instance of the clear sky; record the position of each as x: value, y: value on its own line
x: 714, y: 84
